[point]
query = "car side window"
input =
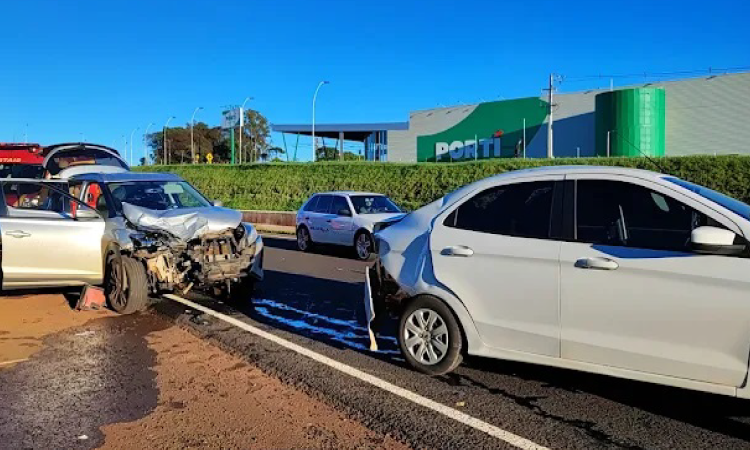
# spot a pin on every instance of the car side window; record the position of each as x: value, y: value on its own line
x: 323, y: 205
x: 626, y: 214
x: 94, y: 197
x: 521, y: 209
x: 27, y: 199
x: 310, y: 205
x: 339, y: 203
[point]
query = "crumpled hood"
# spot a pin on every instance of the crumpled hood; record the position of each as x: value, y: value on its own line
x: 184, y: 223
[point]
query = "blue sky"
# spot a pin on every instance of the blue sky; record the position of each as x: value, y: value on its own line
x: 99, y: 69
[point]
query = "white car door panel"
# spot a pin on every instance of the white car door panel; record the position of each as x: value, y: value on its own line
x: 341, y: 225
x: 509, y: 284
x: 50, y: 252
x: 662, y: 310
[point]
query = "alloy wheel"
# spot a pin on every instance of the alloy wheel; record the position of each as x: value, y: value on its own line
x: 426, y: 336
x: 302, y: 239
x: 363, y: 246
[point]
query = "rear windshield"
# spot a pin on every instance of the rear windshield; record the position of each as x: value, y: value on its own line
x: 373, y: 204
x: 732, y: 204
x: 82, y: 157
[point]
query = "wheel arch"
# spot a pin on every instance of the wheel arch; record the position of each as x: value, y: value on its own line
x: 472, y: 343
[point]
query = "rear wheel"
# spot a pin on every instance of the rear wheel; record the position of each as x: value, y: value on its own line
x: 429, y: 336
x: 304, y: 242
x: 126, y: 285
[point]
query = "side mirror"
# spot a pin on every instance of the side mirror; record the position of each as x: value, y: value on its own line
x: 345, y: 212
x: 716, y: 241
x: 217, y: 203
x: 87, y: 214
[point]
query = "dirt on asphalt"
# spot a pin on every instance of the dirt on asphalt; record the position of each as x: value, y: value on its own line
x: 94, y: 379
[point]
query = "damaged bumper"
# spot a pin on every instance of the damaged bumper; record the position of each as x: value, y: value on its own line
x: 382, y: 298
x: 213, y: 259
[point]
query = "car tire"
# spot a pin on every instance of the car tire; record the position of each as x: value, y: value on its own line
x: 363, y: 245
x: 126, y: 285
x: 304, y: 241
x: 436, y: 350
x: 241, y: 291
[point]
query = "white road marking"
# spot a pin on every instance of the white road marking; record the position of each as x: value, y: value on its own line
x: 458, y: 416
x: 13, y: 361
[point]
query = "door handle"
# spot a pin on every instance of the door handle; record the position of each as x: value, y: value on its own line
x: 17, y: 234
x: 329, y: 220
x: 597, y: 263
x: 457, y: 250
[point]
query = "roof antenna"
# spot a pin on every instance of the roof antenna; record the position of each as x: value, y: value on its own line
x: 650, y: 159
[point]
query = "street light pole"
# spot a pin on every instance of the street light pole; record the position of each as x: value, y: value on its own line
x: 192, y: 145
x: 145, y: 133
x: 131, y: 145
x: 242, y: 124
x: 313, y: 117
x: 164, y: 136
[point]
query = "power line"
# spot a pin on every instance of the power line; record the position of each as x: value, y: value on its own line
x: 709, y: 71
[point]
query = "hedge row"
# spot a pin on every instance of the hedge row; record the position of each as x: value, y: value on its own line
x: 285, y: 186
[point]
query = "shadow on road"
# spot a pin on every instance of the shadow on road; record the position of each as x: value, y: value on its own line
x: 337, y: 251
x: 332, y: 312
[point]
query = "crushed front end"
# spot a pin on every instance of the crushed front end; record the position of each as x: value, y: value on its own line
x: 211, y: 260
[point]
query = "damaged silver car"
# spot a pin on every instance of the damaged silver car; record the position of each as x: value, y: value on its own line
x: 135, y: 233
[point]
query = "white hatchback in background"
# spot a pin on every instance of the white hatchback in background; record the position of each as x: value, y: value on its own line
x: 344, y: 218
x: 615, y: 271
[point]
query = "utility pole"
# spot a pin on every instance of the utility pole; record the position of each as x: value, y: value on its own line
x: 551, y: 120
x: 192, y: 145
x: 313, y: 117
x: 165, y: 159
x: 242, y: 124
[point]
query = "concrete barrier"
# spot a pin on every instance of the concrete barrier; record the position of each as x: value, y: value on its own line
x: 272, y: 221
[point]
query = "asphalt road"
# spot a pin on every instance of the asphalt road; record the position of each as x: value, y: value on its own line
x: 315, y: 300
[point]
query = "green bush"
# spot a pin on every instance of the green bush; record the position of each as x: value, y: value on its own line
x: 285, y: 186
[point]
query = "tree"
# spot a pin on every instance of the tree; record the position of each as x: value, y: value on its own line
x: 214, y: 140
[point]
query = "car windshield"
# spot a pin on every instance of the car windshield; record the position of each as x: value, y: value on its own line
x: 373, y: 204
x: 157, y: 195
x: 732, y: 204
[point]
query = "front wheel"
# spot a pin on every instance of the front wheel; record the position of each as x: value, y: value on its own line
x: 363, y: 245
x: 429, y: 336
x: 126, y: 286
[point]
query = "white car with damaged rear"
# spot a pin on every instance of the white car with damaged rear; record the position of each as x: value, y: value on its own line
x: 615, y: 271
x: 344, y: 218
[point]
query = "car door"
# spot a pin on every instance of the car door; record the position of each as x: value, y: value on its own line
x: 635, y: 297
x: 498, y: 252
x: 305, y: 215
x: 321, y: 220
x: 48, y: 237
x: 341, y: 221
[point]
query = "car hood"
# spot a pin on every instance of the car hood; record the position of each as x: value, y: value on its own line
x: 185, y: 223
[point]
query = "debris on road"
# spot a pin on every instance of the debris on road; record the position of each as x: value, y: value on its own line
x: 92, y: 298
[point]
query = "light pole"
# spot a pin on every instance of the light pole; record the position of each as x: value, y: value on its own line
x: 192, y: 145
x: 124, y: 147
x: 313, y: 117
x: 145, y: 133
x: 164, y: 135
x: 131, y: 145
x: 242, y: 123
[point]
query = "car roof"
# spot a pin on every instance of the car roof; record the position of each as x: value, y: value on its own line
x: 121, y: 177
